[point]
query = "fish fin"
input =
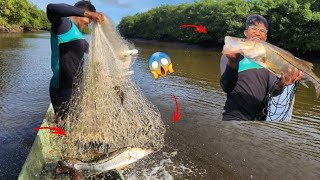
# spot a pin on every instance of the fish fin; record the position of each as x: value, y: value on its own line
x: 308, y: 64
x: 304, y: 83
x: 286, y: 54
x: 318, y: 90
x: 264, y: 59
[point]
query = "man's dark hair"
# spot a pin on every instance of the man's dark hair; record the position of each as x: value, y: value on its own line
x: 85, y: 5
x: 256, y: 18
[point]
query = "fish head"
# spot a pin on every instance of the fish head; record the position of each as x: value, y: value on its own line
x: 251, y: 49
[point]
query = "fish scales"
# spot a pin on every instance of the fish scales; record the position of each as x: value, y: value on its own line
x: 280, y: 56
x: 271, y: 57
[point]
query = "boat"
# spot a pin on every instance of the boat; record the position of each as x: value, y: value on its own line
x: 43, y: 157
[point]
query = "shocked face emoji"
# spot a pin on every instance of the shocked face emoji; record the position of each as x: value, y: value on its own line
x: 160, y: 64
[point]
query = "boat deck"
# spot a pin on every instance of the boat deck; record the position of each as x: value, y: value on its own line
x: 43, y: 157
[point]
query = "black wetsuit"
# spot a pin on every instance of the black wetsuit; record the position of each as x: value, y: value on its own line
x: 246, y: 92
x: 68, y: 47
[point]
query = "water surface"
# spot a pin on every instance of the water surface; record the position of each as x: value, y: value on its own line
x: 198, y: 146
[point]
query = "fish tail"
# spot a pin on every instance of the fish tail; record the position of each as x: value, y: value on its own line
x: 316, y: 83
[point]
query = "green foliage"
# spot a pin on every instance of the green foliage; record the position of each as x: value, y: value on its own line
x: 22, y: 13
x: 293, y: 24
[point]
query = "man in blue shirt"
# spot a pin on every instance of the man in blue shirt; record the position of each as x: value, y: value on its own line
x: 68, y: 46
x: 246, y: 83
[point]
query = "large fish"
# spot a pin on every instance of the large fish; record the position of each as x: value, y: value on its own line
x: 272, y: 58
x: 117, y: 161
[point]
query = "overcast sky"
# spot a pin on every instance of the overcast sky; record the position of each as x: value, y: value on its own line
x: 116, y: 9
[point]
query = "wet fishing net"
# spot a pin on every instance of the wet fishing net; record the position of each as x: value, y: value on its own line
x: 280, y: 107
x: 108, y: 111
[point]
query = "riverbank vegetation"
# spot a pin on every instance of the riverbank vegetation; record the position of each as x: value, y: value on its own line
x: 293, y: 24
x: 21, y: 15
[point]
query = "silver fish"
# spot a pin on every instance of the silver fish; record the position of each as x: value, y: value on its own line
x: 118, y: 161
x: 271, y: 57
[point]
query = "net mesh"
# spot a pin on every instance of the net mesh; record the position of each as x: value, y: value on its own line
x: 280, y: 108
x: 108, y: 111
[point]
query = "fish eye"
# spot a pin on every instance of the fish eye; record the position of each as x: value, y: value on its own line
x: 164, y: 61
x: 154, y: 64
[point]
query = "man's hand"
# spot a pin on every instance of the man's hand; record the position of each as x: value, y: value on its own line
x: 96, y: 16
x: 234, y: 59
x: 291, y: 78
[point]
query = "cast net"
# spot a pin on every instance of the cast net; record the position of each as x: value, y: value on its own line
x: 107, y: 111
x: 280, y: 107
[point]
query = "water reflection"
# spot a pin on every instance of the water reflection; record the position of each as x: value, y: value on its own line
x: 24, y: 77
x: 247, y: 149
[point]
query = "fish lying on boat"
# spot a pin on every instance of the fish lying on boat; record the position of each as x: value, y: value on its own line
x: 272, y: 58
x: 117, y: 161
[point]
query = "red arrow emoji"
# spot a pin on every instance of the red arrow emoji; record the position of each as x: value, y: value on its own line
x: 56, y: 130
x: 176, y: 114
x: 200, y: 28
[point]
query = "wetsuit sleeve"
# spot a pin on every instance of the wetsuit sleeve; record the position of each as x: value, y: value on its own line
x: 57, y: 14
x: 272, y: 80
x: 229, y: 76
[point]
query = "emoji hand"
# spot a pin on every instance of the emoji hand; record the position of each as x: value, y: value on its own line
x: 155, y: 75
